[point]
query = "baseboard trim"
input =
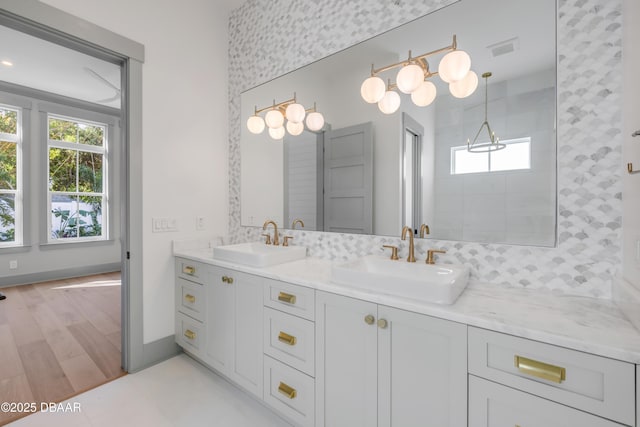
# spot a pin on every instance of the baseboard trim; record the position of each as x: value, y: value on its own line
x: 67, y: 273
x: 158, y: 351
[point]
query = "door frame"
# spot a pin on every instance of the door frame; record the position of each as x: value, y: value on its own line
x: 54, y: 25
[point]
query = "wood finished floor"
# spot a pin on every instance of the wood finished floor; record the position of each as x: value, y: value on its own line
x: 58, y: 339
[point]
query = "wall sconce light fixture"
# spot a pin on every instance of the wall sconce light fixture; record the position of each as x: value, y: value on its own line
x: 413, y: 78
x: 294, y: 113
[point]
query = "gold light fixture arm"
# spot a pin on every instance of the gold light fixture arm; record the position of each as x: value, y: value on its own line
x: 416, y: 59
x: 279, y: 106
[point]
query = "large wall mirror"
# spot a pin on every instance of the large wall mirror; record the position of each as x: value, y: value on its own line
x: 369, y: 172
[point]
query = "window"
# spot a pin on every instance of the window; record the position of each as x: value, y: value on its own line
x: 10, y: 176
x: 516, y: 156
x: 77, y: 196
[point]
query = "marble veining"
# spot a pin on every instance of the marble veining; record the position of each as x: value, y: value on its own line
x: 588, y: 253
x: 586, y: 324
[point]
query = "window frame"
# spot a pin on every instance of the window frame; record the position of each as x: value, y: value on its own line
x: 18, y: 193
x: 512, y: 141
x: 85, y: 117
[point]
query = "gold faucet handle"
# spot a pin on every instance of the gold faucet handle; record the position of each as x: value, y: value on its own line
x: 268, y: 236
x: 394, y: 251
x: 430, y: 259
x: 286, y: 240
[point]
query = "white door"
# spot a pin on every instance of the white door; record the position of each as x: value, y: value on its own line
x: 422, y: 377
x: 348, y: 179
x: 247, y: 304
x: 346, y: 362
x: 218, y: 320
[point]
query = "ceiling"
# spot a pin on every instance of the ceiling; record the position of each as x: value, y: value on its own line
x: 32, y: 62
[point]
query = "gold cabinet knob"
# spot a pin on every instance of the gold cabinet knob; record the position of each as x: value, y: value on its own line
x: 227, y: 279
x: 287, y: 339
x: 287, y: 390
x: 188, y: 269
x: 369, y: 319
x: 190, y: 334
x: 288, y: 298
x: 190, y: 298
x: 382, y: 323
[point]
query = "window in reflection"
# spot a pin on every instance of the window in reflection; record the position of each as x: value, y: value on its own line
x: 516, y: 156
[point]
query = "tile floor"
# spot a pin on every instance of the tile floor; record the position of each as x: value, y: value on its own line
x: 178, y: 392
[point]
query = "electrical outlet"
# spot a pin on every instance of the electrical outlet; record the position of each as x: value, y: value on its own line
x: 200, y: 223
x: 13, y: 264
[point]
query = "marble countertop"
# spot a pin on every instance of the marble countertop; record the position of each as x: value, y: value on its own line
x: 591, y: 325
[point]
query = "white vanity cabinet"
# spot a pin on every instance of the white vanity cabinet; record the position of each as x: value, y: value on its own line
x: 234, y: 326
x: 381, y: 366
x: 190, y: 306
x: 516, y: 381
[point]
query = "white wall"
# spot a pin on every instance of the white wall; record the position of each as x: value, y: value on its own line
x: 185, y: 127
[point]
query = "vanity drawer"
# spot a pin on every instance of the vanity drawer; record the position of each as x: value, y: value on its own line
x: 290, y: 339
x: 595, y: 384
x: 191, y: 270
x: 190, y: 333
x: 191, y: 297
x: 494, y: 405
x: 289, y: 391
x: 289, y: 298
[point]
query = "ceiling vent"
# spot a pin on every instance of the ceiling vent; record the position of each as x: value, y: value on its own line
x: 504, y: 47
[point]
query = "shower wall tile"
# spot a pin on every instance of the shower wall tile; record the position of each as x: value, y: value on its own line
x: 271, y: 37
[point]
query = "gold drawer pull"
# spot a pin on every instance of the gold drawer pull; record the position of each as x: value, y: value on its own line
x: 190, y: 298
x: 188, y: 269
x: 288, y: 391
x: 227, y: 279
x: 288, y: 298
x: 540, y: 369
x: 190, y: 334
x: 287, y: 339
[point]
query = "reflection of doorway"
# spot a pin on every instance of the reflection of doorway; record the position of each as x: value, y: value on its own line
x: 303, y: 179
x: 412, y: 137
x: 348, y: 179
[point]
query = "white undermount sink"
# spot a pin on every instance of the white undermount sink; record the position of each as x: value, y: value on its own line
x: 257, y: 254
x: 440, y: 284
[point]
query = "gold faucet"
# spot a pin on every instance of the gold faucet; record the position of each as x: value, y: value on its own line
x: 405, y: 229
x: 424, y: 229
x: 276, y: 240
x: 430, y: 252
x: 297, y: 221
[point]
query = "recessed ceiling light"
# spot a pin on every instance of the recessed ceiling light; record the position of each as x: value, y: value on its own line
x: 6, y: 63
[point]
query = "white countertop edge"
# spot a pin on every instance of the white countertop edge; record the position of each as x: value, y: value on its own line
x: 530, y: 317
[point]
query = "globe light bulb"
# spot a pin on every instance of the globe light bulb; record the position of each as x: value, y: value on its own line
x: 372, y: 89
x: 425, y: 94
x: 315, y: 121
x: 409, y: 78
x: 465, y: 87
x: 274, y: 119
x: 454, y: 66
x: 295, y: 113
x: 294, y: 128
x: 255, y: 124
x: 390, y: 103
x: 276, y: 133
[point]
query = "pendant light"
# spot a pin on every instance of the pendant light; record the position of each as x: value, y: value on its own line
x: 494, y: 142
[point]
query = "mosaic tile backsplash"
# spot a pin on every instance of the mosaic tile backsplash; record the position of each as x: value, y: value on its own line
x: 270, y: 38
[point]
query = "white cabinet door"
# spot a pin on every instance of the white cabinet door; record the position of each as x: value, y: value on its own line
x: 422, y: 377
x: 247, y: 305
x: 495, y: 405
x: 346, y: 362
x: 219, y: 319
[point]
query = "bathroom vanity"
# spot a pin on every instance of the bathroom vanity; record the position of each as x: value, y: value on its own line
x: 323, y: 354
